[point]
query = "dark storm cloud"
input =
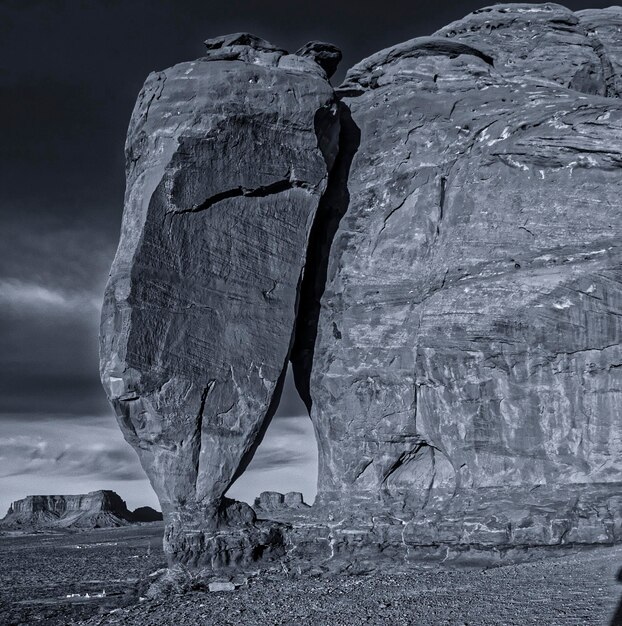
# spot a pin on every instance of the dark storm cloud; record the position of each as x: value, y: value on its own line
x: 51, y: 283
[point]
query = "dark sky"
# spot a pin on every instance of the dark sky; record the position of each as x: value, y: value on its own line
x: 69, y: 73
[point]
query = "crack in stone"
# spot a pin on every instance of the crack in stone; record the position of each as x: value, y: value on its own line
x: 262, y: 191
x: 199, y: 429
x: 332, y: 207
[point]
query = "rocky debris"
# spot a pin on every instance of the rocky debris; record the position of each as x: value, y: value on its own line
x: 98, y: 509
x: 570, y: 589
x: 39, y: 571
x: 434, y: 245
x: 270, y: 501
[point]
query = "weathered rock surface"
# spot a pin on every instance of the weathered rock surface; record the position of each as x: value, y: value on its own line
x: 469, y: 328
x: 227, y: 158
x: 468, y: 344
x: 456, y: 334
x: 98, y: 509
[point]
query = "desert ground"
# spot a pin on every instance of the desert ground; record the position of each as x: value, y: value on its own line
x: 42, y: 572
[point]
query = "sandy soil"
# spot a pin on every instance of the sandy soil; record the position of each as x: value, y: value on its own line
x: 40, y: 571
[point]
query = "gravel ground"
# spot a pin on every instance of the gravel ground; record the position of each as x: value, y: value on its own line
x: 571, y: 589
x: 40, y: 570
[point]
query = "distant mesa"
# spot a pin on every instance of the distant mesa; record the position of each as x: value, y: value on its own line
x: 146, y: 514
x: 97, y: 509
x: 434, y: 246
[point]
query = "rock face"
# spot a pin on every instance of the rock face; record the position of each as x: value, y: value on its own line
x: 456, y: 333
x: 146, y: 514
x: 227, y: 159
x: 469, y: 328
x: 98, y: 509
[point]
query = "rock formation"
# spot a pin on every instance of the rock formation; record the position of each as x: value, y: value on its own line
x: 98, y: 509
x: 146, y: 514
x: 434, y: 246
x: 273, y: 501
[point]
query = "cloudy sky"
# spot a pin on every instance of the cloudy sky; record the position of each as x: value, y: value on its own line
x: 69, y: 73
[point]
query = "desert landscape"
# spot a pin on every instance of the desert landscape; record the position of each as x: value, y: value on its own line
x: 60, y: 577
x: 101, y: 564
x: 45, y: 579
x: 423, y: 252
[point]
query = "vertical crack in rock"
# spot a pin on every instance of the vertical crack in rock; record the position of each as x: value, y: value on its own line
x: 198, y: 435
x: 609, y: 75
x: 272, y: 407
x: 324, y: 124
x: 332, y: 207
x: 441, y: 205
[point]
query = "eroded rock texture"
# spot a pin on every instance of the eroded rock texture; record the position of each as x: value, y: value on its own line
x: 469, y: 334
x: 227, y: 157
x: 457, y: 336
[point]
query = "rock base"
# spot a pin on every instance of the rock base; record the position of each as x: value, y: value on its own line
x: 484, y: 526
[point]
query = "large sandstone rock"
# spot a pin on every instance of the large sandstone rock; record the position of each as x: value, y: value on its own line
x: 469, y: 329
x: 456, y: 334
x: 227, y: 158
x: 469, y: 334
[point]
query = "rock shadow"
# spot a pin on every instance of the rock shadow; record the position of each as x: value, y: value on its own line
x: 332, y: 207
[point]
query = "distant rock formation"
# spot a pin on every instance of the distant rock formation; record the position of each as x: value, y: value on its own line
x: 271, y: 501
x: 146, y: 514
x: 435, y: 247
x: 98, y: 509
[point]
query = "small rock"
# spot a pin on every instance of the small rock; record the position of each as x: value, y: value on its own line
x: 221, y: 586
x: 269, y: 500
x: 241, y: 39
x: 326, y: 55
